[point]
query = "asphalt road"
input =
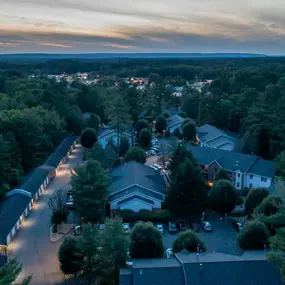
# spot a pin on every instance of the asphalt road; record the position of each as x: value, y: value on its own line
x: 32, y: 245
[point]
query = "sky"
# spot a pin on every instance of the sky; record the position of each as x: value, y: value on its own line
x: 148, y: 26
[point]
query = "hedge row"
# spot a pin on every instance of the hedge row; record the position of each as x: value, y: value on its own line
x: 145, y: 215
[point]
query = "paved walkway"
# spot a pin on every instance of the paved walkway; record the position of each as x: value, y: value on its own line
x: 32, y: 245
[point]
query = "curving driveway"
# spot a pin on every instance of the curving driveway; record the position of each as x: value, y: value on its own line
x: 32, y: 245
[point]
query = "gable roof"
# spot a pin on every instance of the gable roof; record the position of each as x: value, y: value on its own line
x: 134, y: 174
x: 215, y: 137
x: 174, y: 121
x: 233, y: 161
x: 35, y: 179
x: 60, y: 152
x: 106, y: 134
x: 11, y: 208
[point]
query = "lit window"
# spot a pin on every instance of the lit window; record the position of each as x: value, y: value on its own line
x: 251, y: 176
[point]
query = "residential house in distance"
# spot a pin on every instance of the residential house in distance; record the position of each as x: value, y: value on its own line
x: 174, y: 122
x: 211, y: 136
x: 209, y: 268
x: 107, y: 135
x: 245, y: 171
x: 136, y: 187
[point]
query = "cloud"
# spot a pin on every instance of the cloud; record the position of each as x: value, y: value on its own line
x: 7, y: 44
x: 118, y: 46
x: 54, y: 45
x: 149, y: 25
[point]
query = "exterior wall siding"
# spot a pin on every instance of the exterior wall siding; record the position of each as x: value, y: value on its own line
x: 256, y: 181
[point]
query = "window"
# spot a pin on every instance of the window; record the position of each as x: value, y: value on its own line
x: 216, y: 169
x: 263, y: 179
x: 250, y: 185
x: 238, y: 175
x: 238, y: 185
x: 251, y: 176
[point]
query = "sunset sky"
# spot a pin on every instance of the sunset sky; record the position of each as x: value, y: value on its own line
x: 91, y: 26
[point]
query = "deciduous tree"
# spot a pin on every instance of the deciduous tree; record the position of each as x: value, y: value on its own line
x: 223, y: 197
x: 88, y: 137
x: 146, y: 241
x: 135, y: 154
x: 254, y: 198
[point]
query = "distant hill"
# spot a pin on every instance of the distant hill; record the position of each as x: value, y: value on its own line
x: 44, y: 56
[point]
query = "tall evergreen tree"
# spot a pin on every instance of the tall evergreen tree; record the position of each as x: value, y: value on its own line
x: 10, y: 272
x: 90, y: 184
x: 188, y: 190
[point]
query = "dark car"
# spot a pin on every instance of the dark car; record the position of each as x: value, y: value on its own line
x: 237, y: 226
x: 172, y: 229
x: 182, y: 226
x: 194, y: 226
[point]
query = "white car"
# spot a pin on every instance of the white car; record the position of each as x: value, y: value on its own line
x: 160, y: 228
x: 152, y: 152
x: 157, y: 166
x: 127, y: 228
x: 206, y: 226
x: 153, y: 167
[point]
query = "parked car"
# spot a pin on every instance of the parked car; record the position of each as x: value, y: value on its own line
x: 237, y: 226
x: 69, y: 203
x: 127, y: 228
x: 77, y: 230
x: 206, y: 226
x: 153, y: 148
x: 69, y: 192
x: 182, y: 226
x: 194, y: 226
x: 152, y: 152
x: 153, y: 167
x: 160, y: 227
x: 172, y: 229
x: 101, y: 227
x: 157, y: 166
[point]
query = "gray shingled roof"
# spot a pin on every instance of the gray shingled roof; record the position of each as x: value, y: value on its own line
x: 135, y: 189
x: 35, y: 179
x: 135, y: 197
x: 60, y: 152
x: 11, y: 208
x: 233, y: 161
x: 208, y: 132
x: 174, y: 120
x: 211, y: 269
x: 134, y: 173
x: 157, y: 271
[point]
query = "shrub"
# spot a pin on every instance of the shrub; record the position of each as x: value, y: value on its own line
x: 59, y: 217
x: 88, y: 138
x: 254, y: 198
x: 188, y: 240
x: 162, y: 216
x: 253, y: 236
x: 239, y: 201
x: 269, y: 206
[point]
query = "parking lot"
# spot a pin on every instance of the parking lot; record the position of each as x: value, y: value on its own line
x: 221, y: 239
